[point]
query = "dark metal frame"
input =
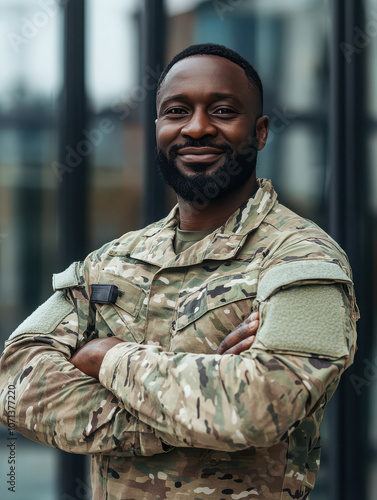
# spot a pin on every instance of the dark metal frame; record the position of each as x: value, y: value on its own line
x: 348, y: 413
x: 153, y: 47
x: 73, y: 189
x: 72, y: 197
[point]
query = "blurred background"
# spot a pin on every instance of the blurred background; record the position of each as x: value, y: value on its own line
x: 77, y: 93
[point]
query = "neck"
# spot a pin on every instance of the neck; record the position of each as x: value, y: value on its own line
x: 217, y: 212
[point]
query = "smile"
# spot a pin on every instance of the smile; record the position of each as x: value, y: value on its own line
x: 200, y: 155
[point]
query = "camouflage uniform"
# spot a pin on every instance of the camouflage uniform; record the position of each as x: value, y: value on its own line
x: 170, y: 418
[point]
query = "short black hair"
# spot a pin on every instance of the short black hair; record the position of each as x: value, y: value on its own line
x: 215, y: 49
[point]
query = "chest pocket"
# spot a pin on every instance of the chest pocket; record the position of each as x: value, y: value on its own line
x: 126, y: 316
x: 208, y: 314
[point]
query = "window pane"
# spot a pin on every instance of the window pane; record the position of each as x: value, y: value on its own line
x: 29, y: 90
x: 116, y: 96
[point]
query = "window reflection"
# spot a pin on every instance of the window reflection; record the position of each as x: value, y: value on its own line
x: 29, y: 89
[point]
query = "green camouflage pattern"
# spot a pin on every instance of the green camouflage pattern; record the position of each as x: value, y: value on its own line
x: 170, y: 418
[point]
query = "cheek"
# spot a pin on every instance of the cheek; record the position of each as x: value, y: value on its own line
x: 166, y: 135
x: 238, y: 133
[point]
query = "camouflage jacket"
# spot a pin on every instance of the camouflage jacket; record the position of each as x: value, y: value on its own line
x: 169, y: 418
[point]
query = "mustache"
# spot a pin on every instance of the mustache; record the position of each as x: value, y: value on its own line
x: 198, y: 143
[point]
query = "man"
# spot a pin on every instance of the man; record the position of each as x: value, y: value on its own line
x: 169, y: 391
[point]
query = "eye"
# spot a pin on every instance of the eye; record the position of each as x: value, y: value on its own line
x: 225, y: 111
x: 175, y: 111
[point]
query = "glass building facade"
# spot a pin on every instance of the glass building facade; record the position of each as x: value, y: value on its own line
x: 76, y: 172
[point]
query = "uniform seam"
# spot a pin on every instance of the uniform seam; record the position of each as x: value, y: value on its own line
x: 175, y: 316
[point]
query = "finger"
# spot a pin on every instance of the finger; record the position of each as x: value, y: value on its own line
x: 242, y: 346
x: 253, y: 316
x: 243, y: 331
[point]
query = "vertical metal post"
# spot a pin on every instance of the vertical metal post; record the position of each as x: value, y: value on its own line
x: 347, y: 413
x: 336, y: 120
x: 153, y: 47
x: 72, y: 196
x: 29, y: 214
x: 72, y: 202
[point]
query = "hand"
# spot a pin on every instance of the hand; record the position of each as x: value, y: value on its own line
x: 241, y: 338
x: 89, y: 358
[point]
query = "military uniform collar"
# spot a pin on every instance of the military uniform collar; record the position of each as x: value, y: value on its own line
x: 156, y: 246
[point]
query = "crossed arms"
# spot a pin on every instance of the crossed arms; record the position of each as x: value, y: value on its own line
x: 89, y: 358
x: 148, y: 400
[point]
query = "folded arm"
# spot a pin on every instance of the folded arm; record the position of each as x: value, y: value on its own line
x: 58, y: 405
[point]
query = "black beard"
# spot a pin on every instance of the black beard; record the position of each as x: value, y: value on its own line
x: 203, y: 188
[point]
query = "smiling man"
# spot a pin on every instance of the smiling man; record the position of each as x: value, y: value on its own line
x: 146, y: 355
x: 208, y: 134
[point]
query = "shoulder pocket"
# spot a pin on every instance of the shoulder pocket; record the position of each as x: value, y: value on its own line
x: 302, y: 272
x: 303, y: 309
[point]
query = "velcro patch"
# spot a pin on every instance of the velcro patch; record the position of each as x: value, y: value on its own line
x: 305, y: 319
x: 47, y: 317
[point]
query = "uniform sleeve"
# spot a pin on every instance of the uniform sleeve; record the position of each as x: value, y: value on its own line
x: 305, y: 341
x: 55, y: 403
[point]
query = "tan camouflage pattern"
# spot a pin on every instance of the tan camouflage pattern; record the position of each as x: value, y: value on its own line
x: 178, y: 420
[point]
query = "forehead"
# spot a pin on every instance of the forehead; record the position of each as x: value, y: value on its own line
x: 201, y: 75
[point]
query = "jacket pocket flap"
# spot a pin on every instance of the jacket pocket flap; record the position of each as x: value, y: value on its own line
x: 216, y: 293
x: 130, y: 296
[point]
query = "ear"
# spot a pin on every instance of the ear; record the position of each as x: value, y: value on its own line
x: 262, y: 126
x: 156, y: 121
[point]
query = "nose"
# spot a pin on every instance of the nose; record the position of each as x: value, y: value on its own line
x: 198, y: 126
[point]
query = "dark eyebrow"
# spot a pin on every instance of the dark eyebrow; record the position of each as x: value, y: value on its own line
x: 216, y: 95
